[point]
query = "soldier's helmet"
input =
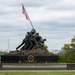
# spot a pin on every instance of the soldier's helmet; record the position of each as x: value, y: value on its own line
x: 33, y: 31
x: 37, y: 33
x: 44, y: 39
x: 28, y: 33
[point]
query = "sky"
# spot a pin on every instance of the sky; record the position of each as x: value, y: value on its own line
x: 52, y: 19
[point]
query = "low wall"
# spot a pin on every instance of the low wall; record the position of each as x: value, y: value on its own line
x: 68, y: 66
x: 0, y: 66
x: 71, y: 66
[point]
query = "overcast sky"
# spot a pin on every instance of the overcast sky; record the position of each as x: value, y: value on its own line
x: 53, y: 19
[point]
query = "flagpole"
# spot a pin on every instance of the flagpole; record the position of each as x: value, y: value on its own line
x: 28, y: 16
x: 30, y: 21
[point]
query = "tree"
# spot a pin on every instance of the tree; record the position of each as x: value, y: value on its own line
x: 51, y: 52
x: 69, y: 51
x: 45, y: 47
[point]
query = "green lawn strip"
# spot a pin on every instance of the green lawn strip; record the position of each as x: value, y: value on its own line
x: 37, y: 73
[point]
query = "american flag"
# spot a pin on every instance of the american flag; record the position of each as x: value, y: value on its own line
x: 24, y: 12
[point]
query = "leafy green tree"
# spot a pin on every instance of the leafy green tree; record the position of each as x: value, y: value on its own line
x: 51, y: 52
x: 68, y: 51
x: 45, y: 47
x: 1, y: 53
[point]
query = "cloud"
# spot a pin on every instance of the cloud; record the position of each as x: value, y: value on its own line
x: 53, y: 19
x: 62, y: 5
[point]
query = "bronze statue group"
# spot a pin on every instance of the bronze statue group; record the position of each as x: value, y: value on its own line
x: 31, y: 41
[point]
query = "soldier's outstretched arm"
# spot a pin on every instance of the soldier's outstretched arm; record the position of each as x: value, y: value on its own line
x: 20, y: 45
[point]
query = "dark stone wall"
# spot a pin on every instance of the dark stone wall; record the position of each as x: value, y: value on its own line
x: 71, y: 66
x: 0, y: 65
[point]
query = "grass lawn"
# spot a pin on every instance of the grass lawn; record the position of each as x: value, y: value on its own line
x: 37, y: 73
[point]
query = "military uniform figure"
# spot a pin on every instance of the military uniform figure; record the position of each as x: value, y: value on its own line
x: 25, y: 42
x: 31, y: 40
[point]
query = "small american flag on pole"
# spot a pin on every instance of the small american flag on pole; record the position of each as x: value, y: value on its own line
x: 24, y: 12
